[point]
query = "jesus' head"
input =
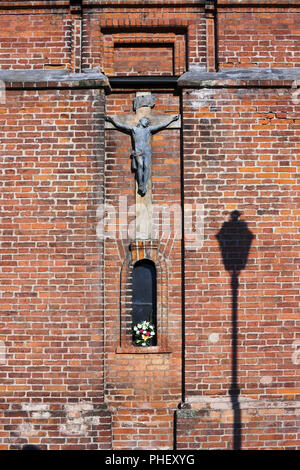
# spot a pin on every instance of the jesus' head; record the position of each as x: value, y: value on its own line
x: 144, y: 121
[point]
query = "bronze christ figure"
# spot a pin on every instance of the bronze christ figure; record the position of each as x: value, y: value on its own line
x: 141, y: 154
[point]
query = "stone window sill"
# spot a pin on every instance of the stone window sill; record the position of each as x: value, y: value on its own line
x: 140, y: 350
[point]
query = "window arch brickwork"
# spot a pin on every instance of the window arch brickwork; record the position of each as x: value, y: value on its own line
x: 140, y: 250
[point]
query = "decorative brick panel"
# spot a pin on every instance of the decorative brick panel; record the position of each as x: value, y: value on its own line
x: 151, y: 26
x: 144, y: 53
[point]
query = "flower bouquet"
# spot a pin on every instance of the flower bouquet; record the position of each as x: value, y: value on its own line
x: 143, y: 333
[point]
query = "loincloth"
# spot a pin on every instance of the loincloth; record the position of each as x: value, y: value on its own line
x: 133, y: 157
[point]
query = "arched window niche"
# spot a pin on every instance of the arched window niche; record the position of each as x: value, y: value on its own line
x: 144, y: 297
x: 144, y: 300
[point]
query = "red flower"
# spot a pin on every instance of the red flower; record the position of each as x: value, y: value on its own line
x: 148, y: 334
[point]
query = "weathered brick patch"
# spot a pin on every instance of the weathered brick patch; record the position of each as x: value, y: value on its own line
x: 80, y: 425
x: 211, y: 424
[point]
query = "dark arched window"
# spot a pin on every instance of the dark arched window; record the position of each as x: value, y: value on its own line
x: 144, y: 293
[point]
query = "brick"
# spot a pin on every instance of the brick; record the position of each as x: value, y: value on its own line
x: 65, y: 384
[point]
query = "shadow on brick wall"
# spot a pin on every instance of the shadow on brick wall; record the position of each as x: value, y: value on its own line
x: 235, y: 241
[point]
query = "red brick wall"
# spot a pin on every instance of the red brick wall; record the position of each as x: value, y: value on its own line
x: 263, y: 427
x: 247, y: 161
x: 33, y: 41
x: 143, y: 428
x: 258, y: 37
x: 68, y: 378
x: 51, y: 301
x: 242, y: 155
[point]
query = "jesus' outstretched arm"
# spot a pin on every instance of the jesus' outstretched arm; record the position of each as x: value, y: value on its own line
x: 119, y: 125
x: 163, y: 125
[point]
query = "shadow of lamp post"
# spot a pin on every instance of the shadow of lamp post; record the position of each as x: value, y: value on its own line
x: 235, y: 240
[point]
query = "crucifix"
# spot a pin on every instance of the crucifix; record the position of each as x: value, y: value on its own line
x: 141, y: 126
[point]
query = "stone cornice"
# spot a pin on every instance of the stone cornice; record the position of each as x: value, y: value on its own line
x: 54, y: 79
x: 198, y: 78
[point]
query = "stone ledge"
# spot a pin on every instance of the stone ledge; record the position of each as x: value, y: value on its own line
x: 141, y: 350
x: 258, y: 3
x: 224, y: 402
x: 54, y: 79
x: 197, y: 77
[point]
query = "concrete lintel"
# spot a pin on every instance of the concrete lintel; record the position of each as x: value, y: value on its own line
x: 91, y: 78
x: 224, y: 402
x: 197, y: 77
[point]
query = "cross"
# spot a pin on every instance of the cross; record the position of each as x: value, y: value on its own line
x: 141, y: 126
